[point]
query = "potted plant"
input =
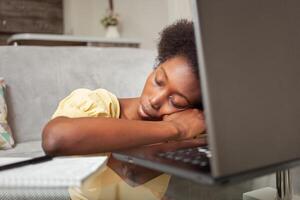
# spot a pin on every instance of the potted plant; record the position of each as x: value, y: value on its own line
x: 110, y: 21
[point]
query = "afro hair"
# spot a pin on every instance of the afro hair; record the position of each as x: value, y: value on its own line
x: 178, y: 39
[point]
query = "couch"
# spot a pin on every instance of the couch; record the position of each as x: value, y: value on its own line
x: 38, y: 77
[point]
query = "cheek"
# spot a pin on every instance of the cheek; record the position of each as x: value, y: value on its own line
x: 167, y: 109
x: 146, y: 90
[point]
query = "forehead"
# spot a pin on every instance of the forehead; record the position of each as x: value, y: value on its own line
x: 181, y: 78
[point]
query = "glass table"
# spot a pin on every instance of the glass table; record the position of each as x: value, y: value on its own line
x: 122, y: 181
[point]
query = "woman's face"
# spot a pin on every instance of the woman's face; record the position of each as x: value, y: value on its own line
x: 170, y: 88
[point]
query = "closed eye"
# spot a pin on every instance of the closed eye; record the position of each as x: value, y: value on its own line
x: 178, y: 105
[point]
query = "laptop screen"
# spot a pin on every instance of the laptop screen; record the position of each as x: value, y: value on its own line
x: 249, y: 71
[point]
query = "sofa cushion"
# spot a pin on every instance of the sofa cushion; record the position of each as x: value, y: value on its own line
x: 24, y: 149
x: 6, y: 139
x: 39, y: 77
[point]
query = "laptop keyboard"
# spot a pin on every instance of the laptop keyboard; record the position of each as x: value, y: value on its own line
x: 197, y: 156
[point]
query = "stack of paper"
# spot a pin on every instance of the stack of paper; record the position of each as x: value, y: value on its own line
x: 58, y: 172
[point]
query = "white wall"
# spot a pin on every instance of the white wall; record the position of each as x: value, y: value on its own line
x: 178, y: 9
x: 139, y: 19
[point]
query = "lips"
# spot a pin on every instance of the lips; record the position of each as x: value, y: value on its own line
x: 146, y: 112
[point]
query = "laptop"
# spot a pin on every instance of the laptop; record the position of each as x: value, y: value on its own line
x: 249, y: 68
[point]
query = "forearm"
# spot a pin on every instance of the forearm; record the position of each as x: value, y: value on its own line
x: 69, y: 136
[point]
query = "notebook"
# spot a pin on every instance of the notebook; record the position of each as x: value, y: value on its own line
x: 58, y: 172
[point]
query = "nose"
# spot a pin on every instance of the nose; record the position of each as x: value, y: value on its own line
x: 157, y: 100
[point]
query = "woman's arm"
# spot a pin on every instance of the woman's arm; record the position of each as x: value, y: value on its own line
x: 71, y: 136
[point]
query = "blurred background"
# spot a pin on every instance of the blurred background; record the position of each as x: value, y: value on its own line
x: 137, y: 22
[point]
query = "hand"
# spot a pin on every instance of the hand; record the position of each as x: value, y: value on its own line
x: 189, y: 123
x: 133, y: 175
x: 136, y: 175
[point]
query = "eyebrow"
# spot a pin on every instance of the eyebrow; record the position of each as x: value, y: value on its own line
x: 178, y: 93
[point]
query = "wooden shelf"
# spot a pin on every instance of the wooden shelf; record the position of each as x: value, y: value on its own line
x: 69, y: 40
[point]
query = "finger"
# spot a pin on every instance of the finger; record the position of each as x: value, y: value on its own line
x: 165, y: 117
x: 201, y: 116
